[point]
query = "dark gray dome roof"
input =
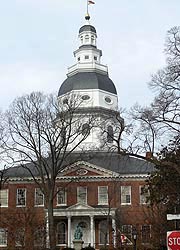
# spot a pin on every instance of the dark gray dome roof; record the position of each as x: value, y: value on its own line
x: 87, y: 28
x: 87, y: 80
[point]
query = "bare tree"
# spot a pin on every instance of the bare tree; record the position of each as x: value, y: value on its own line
x: 42, y: 137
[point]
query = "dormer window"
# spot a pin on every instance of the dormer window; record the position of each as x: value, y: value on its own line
x: 86, y: 38
x: 86, y: 57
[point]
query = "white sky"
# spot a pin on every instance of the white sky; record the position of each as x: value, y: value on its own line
x: 38, y: 37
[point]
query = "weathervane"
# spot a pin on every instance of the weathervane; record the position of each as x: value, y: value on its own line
x: 88, y: 3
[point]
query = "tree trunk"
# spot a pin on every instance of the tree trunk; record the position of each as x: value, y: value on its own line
x: 51, y: 233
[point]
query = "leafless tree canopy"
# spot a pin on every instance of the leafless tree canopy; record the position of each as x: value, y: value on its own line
x: 42, y: 137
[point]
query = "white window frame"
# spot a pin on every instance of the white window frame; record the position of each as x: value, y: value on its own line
x: 80, y: 193
x: 143, y: 196
x: 4, y: 194
x: 38, y: 195
x: 125, y: 192
x: 101, y: 200
x: 3, y: 237
x: 17, y: 202
x: 60, y: 190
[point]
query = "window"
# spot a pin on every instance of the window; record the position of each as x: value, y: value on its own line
x: 86, y: 57
x: 85, y: 97
x: 110, y: 134
x: 82, y: 195
x: 127, y: 231
x: 146, y: 233
x: 95, y: 58
x: 79, y: 59
x: 85, y: 129
x: 61, y: 196
x: 144, y: 194
x: 4, y: 198
x: 125, y: 195
x: 40, y: 237
x: 103, y: 232
x: 3, y: 237
x: 20, y: 237
x: 103, y: 195
x: 86, y: 38
x: 21, y: 197
x: 39, y: 197
x: 61, y: 233
x: 108, y: 99
x: 92, y: 39
x: 81, y: 39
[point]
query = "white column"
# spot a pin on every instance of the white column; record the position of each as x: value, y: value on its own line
x: 69, y: 231
x: 47, y: 231
x: 92, y: 230
x: 114, y: 232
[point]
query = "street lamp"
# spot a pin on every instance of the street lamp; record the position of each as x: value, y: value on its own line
x: 134, y: 234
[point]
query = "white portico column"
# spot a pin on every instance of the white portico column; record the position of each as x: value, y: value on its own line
x: 114, y: 232
x: 47, y: 231
x: 69, y: 231
x: 92, y: 230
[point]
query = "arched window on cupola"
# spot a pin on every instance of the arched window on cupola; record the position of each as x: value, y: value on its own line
x: 92, y: 40
x: 61, y: 233
x: 110, y: 134
x: 86, y: 38
x: 81, y: 39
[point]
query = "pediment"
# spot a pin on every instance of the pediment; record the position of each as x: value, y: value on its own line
x: 80, y: 206
x: 86, y: 169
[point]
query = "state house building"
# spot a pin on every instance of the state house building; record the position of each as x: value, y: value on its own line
x: 102, y: 193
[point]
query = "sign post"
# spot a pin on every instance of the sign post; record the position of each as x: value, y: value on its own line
x: 173, y: 240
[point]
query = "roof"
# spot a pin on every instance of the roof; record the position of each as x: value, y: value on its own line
x: 87, y: 28
x: 87, y: 80
x: 124, y: 165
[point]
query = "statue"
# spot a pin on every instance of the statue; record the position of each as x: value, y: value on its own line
x: 78, y: 233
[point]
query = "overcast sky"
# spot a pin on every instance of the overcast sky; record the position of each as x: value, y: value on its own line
x: 38, y: 37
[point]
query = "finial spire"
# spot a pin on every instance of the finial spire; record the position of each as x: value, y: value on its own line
x: 87, y: 17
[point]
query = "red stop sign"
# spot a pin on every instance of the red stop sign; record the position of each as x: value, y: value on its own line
x: 173, y: 240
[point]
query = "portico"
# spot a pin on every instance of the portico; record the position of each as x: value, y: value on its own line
x: 85, y: 216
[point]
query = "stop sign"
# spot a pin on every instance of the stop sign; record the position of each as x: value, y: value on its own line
x: 173, y: 240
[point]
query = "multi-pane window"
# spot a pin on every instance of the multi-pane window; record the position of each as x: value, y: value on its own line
x: 20, y: 237
x: 82, y: 195
x: 39, y: 197
x: 61, y: 233
x: 61, y: 196
x: 145, y: 233
x: 127, y: 231
x: 125, y: 195
x: 4, y: 198
x: 3, y: 237
x: 40, y: 237
x: 143, y: 194
x: 21, y: 197
x: 103, y: 232
x: 103, y: 195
